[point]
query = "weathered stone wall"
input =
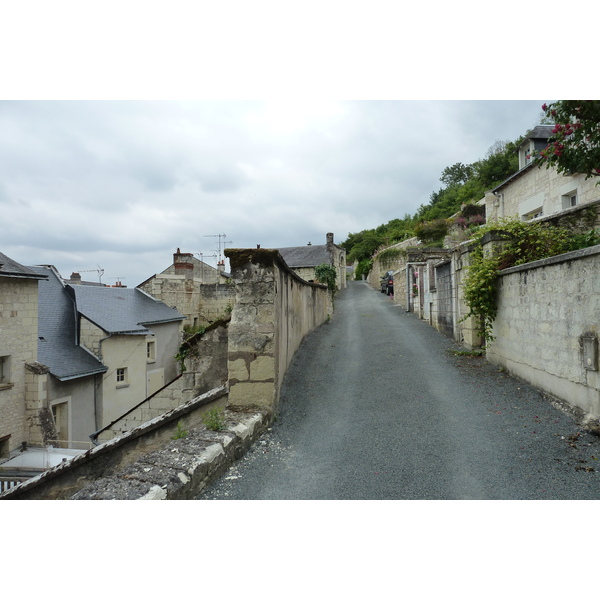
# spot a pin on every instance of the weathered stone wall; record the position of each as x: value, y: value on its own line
x: 18, y: 346
x: 274, y: 310
x: 205, y: 368
x: 200, y: 302
x: 390, y: 261
x: 545, y: 310
x: 148, y: 463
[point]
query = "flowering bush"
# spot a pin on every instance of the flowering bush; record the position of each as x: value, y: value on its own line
x: 574, y: 146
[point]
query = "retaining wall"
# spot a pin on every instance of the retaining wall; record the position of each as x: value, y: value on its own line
x: 547, y: 326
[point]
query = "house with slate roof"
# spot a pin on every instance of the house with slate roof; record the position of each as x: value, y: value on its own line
x: 18, y: 349
x: 304, y: 259
x: 198, y: 291
x: 533, y: 192
x: 135, y: 336
x: 73, y: 374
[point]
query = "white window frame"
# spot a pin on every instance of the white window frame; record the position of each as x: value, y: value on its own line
x: 121, y: 376
x: 570, y: 199
x: 151, y: 351
x: 5, y: 380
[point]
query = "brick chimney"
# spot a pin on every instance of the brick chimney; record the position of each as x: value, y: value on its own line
x: 182, y: 261
x: 75, y: 279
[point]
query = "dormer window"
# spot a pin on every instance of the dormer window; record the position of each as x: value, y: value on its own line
x: 525, y: 154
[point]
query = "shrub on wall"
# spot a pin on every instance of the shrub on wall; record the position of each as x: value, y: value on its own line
x: 432, y: 232
x: 525, y: 242
x: 326, y: 274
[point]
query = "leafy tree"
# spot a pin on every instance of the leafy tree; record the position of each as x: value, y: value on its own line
x: 575, y: 144
x: 457, y: 174
x: 500, y: 163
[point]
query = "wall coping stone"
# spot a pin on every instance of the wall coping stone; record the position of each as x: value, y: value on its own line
x: 554, y: 260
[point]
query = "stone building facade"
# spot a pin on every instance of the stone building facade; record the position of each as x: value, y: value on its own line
x: 200, y: 292
x: 18, y: 348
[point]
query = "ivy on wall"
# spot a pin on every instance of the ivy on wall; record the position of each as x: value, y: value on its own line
x: 524, y: 242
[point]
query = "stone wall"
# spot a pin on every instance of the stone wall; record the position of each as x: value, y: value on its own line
x: 18, y: 346
x: 200, y: 302
x: 274, y: 310
x: 547, y: 327
x: 538, y: 189
x: 151, y: 462
x: 205, y: 368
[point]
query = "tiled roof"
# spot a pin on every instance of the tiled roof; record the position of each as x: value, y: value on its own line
x: 122, y: 310
x: 11, y: 268
x: 305, y: 256
x: 57, y: 336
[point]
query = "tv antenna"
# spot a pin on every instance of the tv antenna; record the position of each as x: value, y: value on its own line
x: 221, y: 243
x: 99, y: 270
x: 202, y: 255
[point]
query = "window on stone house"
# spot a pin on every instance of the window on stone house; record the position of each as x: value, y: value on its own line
x: 122, y: 375
x: 151, y: 351
x: 4, y: 370
x: 570, y: 199
x: 5, y: 446
x: 525, y: 155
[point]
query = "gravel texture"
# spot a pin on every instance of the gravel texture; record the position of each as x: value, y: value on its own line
x: 376, y: 405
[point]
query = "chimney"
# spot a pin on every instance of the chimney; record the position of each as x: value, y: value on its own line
x: 221, y: 266
x: 330, y: 239
x: 75, y: 279
x: 182, y: 261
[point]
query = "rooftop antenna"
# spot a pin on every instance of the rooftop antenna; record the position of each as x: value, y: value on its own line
x: 99, y: 270
x: 220, y: 235
x: 201, y: 255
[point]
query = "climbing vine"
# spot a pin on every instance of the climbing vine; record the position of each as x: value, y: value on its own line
x: 524, y: 242
x: 326, y: 274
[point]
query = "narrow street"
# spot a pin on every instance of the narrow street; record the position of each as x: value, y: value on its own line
x: 375, y: 405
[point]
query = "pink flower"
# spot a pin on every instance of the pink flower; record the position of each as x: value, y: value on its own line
x: 544, y: 107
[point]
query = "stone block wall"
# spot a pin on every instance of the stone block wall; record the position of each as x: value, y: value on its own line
x: 201, y: 303
x: 205, y: 369
x: 18, y: 346
x: 274, y: 310
x: 548, y: 311
x: 536, y: 188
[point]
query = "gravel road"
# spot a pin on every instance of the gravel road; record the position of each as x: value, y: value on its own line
x: 376, y: 406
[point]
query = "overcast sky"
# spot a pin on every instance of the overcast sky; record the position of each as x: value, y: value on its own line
x: 121, y: 185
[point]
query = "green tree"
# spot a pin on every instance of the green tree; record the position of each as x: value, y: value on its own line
x: 575, y: 143
x: 457, y: 174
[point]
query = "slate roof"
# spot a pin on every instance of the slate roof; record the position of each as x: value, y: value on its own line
x: 11, y: 268
x: 122, y: 310
x: 305, y: 256
x: 539, y: 132
x: 57, y: 334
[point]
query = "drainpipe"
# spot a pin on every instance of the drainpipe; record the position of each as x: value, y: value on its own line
x: 499, y: 204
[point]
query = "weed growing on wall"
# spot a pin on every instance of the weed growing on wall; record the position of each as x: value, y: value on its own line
x: 525, y: 243
x: 180, y: 432
x: 213, y: 419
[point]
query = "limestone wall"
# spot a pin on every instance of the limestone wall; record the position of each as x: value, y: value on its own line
x: 18, y: 346
x: 539, y: 190
x: 547, y: 327
x: 201, y: 303
x: 205, y: 369
x: 274, y: 310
